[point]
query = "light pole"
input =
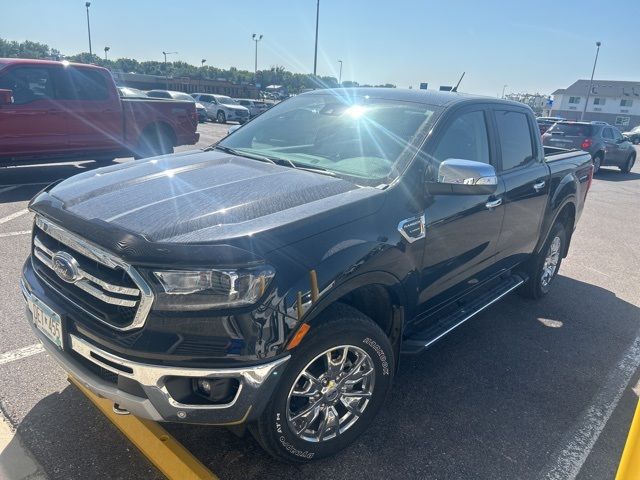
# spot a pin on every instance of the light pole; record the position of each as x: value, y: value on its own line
x: 166, y: 72
x: 503, y: 89
x: 88, y: 4
x: 106, y: 49
x: 340, y: 74
x: 202, y: 62
x: 315, y: 55
x: 256, y: 38
x: 584, y: 110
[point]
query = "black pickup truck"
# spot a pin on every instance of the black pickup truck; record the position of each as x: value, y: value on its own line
x: 274, y: 279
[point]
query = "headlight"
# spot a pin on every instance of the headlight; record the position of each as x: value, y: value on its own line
x: 206, y: 289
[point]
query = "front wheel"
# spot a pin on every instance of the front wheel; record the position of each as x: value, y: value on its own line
x: 628, y: 165
x: 544, y: 266
x: 221, y: 117
x: 333, y: 387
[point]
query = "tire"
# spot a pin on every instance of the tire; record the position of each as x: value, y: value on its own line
x: 221, y: 117
x: 626, y: 168
x: 340, y: 327
x: 155, y: 141
x: 636, y: 141
x: 538, y: 286
x: 597, y: 162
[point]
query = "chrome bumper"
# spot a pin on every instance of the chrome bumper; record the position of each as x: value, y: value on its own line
x: 256, y: 384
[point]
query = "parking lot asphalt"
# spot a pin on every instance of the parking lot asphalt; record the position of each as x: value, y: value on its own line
x: 525, y: 390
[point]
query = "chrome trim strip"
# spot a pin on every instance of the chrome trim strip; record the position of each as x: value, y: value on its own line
x: 152, y: 376
x: 96, y: 253
x: 93, y: 291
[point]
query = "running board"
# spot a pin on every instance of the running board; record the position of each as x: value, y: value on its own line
x: 439, y: 328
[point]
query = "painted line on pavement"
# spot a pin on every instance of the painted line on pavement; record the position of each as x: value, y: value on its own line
x: 590, y: 424
x: 20, y: 353
x: 17, y: 214
x: 7, y: 189
x: 14, y: 234
x: 15, y: 185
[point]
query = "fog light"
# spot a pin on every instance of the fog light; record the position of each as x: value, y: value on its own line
x: 204, y: 386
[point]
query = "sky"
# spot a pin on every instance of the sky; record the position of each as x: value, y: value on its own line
x: 530, y: 46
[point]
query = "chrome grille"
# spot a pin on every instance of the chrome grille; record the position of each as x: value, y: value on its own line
x: 123, y: 297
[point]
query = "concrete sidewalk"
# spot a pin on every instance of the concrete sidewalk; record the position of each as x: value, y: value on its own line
x: 16, y: 463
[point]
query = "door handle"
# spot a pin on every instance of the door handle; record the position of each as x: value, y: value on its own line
x: 539, y: 186
x: 493, y: 203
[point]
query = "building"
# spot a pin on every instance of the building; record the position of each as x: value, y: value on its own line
x: 185, y: 84
x: 537, y: 102
x: 611, y: 101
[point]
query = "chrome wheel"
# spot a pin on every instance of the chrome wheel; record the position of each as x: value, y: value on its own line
x: 331, y: 393
x: 551, y: 262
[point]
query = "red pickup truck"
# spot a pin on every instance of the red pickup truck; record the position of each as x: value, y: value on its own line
x: 61, y: 109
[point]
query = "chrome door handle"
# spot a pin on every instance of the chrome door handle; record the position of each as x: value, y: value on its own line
x: 493, y: 203
x: 539, y: 186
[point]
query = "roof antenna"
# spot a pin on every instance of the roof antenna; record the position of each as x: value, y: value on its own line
x: 455, y: 89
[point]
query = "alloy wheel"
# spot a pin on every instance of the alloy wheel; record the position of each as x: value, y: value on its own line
x: 551, y: 261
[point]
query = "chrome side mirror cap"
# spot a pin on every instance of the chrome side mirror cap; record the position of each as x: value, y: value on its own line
x: 457, y: 176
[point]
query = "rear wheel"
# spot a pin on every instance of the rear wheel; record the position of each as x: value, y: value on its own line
x: 545, y: 265
x: 597, y: 162
x: 155, y: 141
x: 334, y: 385
x: 221, y: 117
x: 628, y: 165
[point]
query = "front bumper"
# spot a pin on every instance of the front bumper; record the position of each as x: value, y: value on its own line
x: 152, y: 400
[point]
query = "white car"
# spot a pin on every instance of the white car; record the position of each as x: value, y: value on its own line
x: 256, y: 107
x: 221, y: 108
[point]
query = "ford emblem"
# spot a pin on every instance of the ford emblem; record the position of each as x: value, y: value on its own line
x: 66, y: 267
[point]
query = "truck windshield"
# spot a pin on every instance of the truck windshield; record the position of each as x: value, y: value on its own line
x: 572, y: 129
x: 367, y: 139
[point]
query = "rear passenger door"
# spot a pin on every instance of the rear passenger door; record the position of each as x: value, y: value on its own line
x: 526, y: 183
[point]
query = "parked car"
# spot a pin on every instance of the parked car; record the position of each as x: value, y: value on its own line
x: 633, y: 135
x: 222, y: 109
x: 131, y: 92
x: 59, y: 109
x: 173, y: 95
x: 255, y: 107
x: 604, y: 142
x: 272, y: 280
x: 545, y: 122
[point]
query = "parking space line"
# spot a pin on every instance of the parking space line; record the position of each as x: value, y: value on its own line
x: 19, y: 353
x: 155, y: 443
x: 14, y: 234
x: 7, y: 189
x: 15, y: 185
x: 17, y: 214
x: 589, y: 426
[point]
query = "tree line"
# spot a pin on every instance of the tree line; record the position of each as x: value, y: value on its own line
x: 276, y: 75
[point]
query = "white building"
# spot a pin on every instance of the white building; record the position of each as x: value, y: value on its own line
x: 611, y: 101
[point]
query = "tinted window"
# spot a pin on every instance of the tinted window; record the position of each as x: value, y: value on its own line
x: 573, y: 129
x: 86, y: 84
x: 158, y: 94
x: 466, y: 139
x: 28, y: 84
x: 607, y: 133
x: 617, y: 135
x: 515, y: 139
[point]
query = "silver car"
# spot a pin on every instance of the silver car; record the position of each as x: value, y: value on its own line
x: 221, y: 108
x: 256, y: 107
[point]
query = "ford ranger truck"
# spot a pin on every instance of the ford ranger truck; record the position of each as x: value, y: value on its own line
x: 273, y: 280
x: 51, y: 110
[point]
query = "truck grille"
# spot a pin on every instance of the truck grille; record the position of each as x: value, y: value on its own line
x: 100, y: 284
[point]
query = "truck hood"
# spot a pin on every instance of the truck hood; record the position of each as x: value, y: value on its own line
x: 203, y: 197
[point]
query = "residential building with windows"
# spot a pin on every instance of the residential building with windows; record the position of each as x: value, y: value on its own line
x: 612, y: 101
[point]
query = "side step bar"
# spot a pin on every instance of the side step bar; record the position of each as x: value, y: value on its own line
x: 439, y: 328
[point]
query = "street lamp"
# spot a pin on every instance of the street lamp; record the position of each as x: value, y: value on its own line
x: 503, y: 89
x: 106, y: 49
x: 256, y: 38
x: 584, y: 110
x: 340, y: 74
x: 166, y: 73
x: 88, y: 4
x: 315, y: 55
x: 202, y: 62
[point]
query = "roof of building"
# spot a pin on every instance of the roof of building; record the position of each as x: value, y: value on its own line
x: 603, y: 88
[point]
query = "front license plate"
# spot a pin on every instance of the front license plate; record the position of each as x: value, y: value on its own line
x: 47, y: 321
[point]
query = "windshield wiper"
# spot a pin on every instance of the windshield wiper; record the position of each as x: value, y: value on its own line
x: 239, y: 153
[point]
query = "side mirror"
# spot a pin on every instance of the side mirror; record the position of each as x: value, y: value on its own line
x: 6, y: 97
x: 464, y: 177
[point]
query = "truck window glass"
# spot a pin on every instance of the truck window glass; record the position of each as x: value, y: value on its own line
x: 86, y: 84
x: 28, y: 84
x: 607, y: 133
x: 515, y: 139
x: 466, y: 139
